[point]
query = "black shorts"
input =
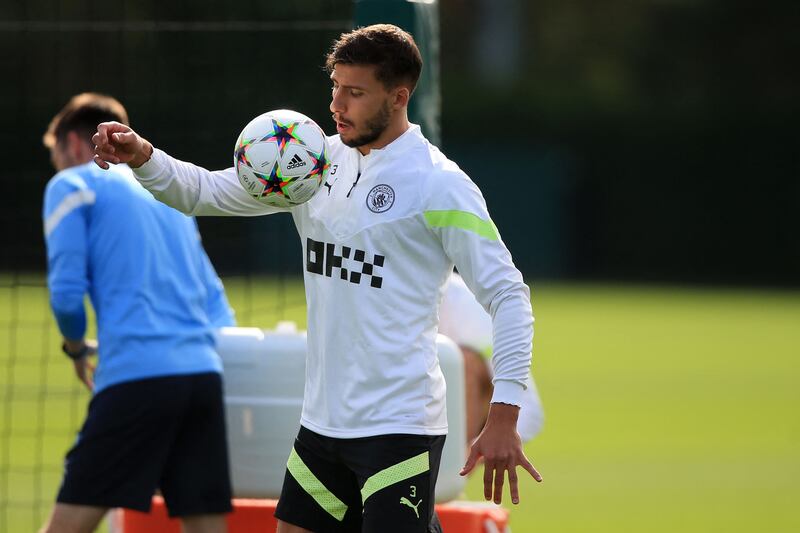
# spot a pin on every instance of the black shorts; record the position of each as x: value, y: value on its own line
x: 380, y: 484
x: 165, y: 432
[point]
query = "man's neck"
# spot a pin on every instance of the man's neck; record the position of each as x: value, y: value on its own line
x: 389, y: 135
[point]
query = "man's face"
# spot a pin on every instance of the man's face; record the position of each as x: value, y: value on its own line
x: 360, y: 104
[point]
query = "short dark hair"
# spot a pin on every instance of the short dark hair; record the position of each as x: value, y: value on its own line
x: 392, y: 50
x: 82, y: 114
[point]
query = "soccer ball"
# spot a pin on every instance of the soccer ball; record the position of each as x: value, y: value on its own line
x: 281, y: 158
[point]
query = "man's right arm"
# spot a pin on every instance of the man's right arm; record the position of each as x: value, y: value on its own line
x: 65, y: 213
x: 186, y: 187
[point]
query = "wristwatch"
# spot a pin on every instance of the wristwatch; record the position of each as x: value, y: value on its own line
x: 75, y: 355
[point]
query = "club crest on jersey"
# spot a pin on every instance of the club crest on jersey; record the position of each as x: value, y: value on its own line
x: 380, y: 199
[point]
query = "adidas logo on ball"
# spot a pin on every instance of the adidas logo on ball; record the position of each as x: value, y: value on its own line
x: 295, y: 162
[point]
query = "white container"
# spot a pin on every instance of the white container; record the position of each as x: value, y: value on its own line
x: 449, y: 485
x: 263, y: 377
x: 264, y: 372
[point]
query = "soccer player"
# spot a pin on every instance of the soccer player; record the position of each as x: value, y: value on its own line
x: 156, y: 417
x: 379, y: 243
x: 463, y: 319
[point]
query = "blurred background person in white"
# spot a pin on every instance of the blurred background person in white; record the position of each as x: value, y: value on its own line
x: 465, y: 321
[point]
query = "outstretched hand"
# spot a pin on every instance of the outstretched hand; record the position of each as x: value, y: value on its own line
x: 117, y: 143
x: 501, y: 448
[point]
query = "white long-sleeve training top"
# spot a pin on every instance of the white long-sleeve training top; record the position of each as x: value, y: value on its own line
x: 465, y: 321
x: 379, y: 242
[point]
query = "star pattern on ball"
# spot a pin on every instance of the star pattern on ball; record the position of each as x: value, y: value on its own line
x: 241, y: 152
x: 283, y: 135
x: 274, y: 182
x: 320, y: 164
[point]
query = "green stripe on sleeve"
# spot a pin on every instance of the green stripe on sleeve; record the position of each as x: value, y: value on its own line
x: 314, y: 487
x: 394, y: 474
x: 462, y: 220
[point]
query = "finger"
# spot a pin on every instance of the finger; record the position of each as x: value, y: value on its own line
x: 106, y: 156
x: 104, y: 131
x: 531, y: 470
x: 101, y: 149
x: 80, y: 370
x: 100, y: 137
x: 90, y: 376
x: 124, y: 137
x: 499, y: 478
x: 100, y: 163
x: 512, y: 485
x: 471, y: 462
x: 487, y: 481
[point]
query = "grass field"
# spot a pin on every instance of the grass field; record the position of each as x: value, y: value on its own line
x: 667, y: 409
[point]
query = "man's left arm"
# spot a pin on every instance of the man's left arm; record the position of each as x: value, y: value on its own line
x: 461, y: 221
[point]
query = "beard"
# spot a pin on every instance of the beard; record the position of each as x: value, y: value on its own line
x: 374, y: 127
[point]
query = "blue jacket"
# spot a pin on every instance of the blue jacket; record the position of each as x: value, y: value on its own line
x: 151, y: 284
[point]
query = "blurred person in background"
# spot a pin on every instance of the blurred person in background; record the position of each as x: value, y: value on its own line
x: 156, y: 418
x: 397, y: 215
x: 463, y: 319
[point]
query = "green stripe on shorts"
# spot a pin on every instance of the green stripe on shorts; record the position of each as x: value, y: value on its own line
x: 394, y: 474
x: 314, y: 487
x: 462, y: 220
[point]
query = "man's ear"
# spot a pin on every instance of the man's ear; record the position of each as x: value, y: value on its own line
x: 74, y: 145
x: 79, y: 149
x: 401, y: 97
